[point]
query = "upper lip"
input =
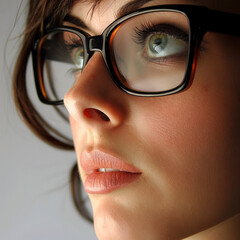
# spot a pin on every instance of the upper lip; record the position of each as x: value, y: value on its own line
x: 96, y: 159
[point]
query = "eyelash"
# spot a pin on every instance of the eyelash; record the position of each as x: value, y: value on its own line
x: 72, y: 43
x: 141, y: 33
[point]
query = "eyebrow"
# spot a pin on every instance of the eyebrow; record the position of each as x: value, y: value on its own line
x: 76, y: 21
x: 125, y: 9
x: 131, y: 6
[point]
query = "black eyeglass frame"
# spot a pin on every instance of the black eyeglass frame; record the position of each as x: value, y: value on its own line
x: 201, y: 20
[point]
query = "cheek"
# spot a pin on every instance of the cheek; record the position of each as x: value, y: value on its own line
x: 189, y: 126
x: 193, y: 142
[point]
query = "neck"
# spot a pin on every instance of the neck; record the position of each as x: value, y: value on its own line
x: 229, y: 229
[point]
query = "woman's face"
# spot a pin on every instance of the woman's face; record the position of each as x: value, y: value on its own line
x: 184, y: 147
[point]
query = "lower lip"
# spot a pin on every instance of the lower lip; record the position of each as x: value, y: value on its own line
x: 105, y: 182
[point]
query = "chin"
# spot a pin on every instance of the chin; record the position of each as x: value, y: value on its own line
x: 121, y: 224
x: 108, y: 227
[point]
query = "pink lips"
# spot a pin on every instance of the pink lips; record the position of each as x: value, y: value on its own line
x: 105, y: 173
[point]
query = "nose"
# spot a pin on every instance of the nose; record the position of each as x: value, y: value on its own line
x: 94, y: 98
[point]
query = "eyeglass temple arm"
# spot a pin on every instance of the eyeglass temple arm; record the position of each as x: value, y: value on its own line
x: 228, y: 23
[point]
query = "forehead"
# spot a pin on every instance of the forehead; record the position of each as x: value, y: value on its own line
x: 224, y: 5
x: 98, y: 14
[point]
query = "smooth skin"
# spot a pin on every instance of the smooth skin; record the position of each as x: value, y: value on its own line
x: 186, y: 145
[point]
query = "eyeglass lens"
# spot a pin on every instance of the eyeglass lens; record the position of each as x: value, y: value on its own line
x: 149, y: 53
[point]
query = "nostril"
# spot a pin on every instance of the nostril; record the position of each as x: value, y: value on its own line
x: 96, y: 114
x: 103, y: 116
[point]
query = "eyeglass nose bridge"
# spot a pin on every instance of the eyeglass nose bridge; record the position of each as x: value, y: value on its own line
x: 95, y: 44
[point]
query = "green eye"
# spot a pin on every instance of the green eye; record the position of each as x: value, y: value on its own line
x: 157, y: 43
x: 161, y: 45
x: 79, y: 58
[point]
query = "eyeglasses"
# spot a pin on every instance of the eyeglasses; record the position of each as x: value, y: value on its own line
x: 149, y: 52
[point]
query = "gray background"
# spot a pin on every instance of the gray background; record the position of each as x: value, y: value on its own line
x: 35, y: 200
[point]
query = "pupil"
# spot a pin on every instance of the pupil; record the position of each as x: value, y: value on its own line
x: 158, y: 43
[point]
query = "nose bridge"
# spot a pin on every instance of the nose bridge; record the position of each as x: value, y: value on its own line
x: 96, y: 43
x: 88, y: 101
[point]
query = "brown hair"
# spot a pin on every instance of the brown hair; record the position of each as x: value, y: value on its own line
x: 42, y: 13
